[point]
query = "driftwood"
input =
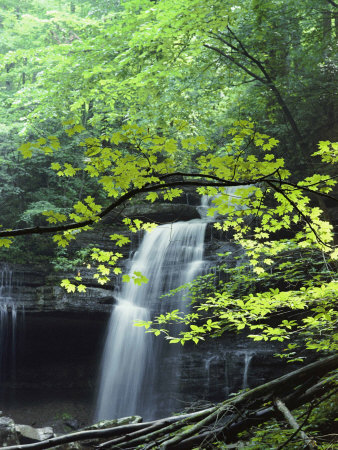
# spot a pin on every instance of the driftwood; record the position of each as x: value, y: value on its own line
x: 221, y: 422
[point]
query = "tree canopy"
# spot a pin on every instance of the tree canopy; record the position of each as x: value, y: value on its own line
x: 143, y: 98
x: 103, y: 103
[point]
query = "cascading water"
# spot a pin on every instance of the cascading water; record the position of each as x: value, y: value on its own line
x: 247, y: 359
x: 169, y: 256
x: 8, y: 324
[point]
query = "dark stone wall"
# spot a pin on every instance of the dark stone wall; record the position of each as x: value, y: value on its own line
x: 54, y: 375
x: 58, y: 359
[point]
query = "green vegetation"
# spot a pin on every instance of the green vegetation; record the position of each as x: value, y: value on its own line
x: 103, y: 103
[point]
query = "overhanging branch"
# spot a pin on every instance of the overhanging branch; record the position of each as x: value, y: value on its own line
x: 237, y: 63
x: 202, y: 181
x: 216, y: 182
x: 295, y: 206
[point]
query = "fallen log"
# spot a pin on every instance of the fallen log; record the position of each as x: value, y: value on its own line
x: 221, y: 422
x: 293, y: 423
x: 123, y: 430
x: 254, y: 418
x: 252, y: 400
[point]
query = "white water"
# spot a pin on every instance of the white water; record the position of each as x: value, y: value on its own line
x: 226, y: 363
x: 8, y: 324
x: 247, y: 359
x: 169, y: 256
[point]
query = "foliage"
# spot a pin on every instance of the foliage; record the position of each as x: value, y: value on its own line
x: 179, y: 73
x: 103, y: 103
x: 157, y: 62
x: 232, y: 308
x: 134, y: 161
x: 104, y: 63
x: 298, y: 307
x: 62, y: 261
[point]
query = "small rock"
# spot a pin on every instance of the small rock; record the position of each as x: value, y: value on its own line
x: 70, y: 446
x: 28, y: 434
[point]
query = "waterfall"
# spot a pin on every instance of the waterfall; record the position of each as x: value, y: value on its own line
x: 247, y: 359
x: 132, y: 370
x: 8, y: 324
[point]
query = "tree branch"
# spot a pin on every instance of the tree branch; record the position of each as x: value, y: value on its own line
x: 266, y: 79
x: 307, y: 221
x: 312, y: 191
x: 219, y: 182
x: 202, y: 182
x: 233, y: 60
x: 293, y: 423
x: 122, y: 430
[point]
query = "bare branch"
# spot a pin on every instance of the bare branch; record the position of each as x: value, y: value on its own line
x: 233, y: 60
x: 266, y: 79
x: 229, y: 44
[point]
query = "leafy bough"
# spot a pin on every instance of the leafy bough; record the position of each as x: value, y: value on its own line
x: 135, y: 162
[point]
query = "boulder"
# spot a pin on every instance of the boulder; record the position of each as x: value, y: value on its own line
x: 28, y: 434
x: 8, y: 435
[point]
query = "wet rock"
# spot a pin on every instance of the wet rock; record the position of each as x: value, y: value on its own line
x: 8, y: 435
x: 55, y: 298
x: 28, y: 434
x: 72, y: 423
x: 71, y: 446
x: 128, y: 420
x: 162, y: 213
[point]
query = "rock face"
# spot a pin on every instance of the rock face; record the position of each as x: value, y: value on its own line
x: 37, y: 291
x: 210, y: 371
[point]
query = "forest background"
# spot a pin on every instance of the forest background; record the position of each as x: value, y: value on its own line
x: 104, y: 101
